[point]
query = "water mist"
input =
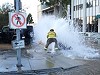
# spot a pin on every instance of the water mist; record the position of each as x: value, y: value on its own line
x: 67, y: 34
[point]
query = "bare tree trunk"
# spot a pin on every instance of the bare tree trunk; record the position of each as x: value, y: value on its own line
x: 58, y: 8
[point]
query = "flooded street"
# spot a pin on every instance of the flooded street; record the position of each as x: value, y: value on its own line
x: 36, y: 59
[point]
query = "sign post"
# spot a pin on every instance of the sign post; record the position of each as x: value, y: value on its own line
x: 19, y: 65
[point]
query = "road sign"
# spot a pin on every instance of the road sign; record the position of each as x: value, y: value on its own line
x: 18, y: 44
x: 17, y: 20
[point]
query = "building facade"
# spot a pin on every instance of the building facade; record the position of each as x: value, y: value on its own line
x: 84, y: 12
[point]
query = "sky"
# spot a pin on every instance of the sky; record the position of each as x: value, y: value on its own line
x: 29, y: 5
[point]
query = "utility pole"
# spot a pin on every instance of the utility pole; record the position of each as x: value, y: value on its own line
x: 84, y: 16
x: 19, y: 65
x: 72, y: 9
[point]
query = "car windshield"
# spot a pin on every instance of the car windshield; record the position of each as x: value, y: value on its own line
x: 5, y: 29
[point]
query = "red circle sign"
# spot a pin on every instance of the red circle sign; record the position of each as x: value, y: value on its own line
x: 17, y: 20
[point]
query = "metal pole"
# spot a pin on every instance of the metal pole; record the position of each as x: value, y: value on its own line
x: 19, y: 65
x: 72, y: 9
x: 84, y: 16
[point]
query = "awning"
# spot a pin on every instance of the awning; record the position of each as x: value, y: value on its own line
x: 98, y: 16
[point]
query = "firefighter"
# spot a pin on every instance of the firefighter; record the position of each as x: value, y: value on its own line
x: 51, y: 37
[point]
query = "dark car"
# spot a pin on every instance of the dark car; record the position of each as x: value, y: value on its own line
x: 28, y: 34
x: 7, y: 34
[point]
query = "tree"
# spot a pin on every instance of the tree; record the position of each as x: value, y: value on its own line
x: 61, y: 3
x: 29, y: 19
x: 4, y: 16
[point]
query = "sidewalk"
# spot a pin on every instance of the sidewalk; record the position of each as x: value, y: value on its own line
x: 35, y: 59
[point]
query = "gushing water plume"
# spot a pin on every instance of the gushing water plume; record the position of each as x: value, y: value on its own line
x: 67, y: 34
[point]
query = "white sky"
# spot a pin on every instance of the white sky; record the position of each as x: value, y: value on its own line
x: 29, y: 5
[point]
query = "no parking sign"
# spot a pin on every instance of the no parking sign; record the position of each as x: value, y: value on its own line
x: 17, y: 20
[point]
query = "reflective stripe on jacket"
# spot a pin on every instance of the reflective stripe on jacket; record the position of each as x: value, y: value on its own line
x: 51, y: 34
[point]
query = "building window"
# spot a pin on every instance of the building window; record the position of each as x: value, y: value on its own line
x: 97, y: 2
x: 77, y: 7
x: 92, y: 23
x: 74, y: 8
x: 88, y: 26
x: 95, y: 24
x: 94, y: 2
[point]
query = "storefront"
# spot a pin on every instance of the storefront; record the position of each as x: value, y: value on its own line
x: 86, y: 12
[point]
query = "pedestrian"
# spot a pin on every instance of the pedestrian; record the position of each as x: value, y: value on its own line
x: 51, y: 37
x: 18, y: 20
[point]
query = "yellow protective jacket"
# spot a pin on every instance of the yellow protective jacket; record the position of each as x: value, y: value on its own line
x: 51, y: 34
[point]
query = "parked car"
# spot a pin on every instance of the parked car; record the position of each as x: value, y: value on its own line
x: 28, y: 34
x: 7, y: 34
